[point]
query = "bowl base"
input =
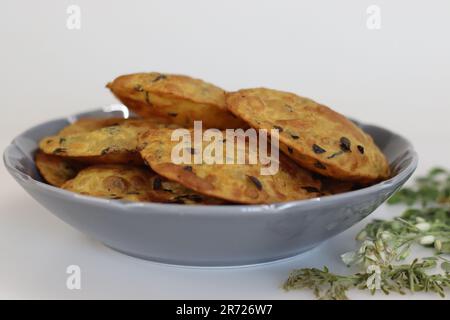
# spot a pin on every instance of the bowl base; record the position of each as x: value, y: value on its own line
x: 214, y: 264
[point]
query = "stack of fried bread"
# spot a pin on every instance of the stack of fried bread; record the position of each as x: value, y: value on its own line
x: 321, y: 151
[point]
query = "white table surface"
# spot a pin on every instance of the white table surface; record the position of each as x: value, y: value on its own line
x: 398, y: 77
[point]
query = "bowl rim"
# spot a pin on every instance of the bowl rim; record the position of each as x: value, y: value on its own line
x: 403, y: 174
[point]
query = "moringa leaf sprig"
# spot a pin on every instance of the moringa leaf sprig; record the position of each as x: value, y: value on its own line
x: 393, y: 278
x: 384, y: 243
x: 432, y: 188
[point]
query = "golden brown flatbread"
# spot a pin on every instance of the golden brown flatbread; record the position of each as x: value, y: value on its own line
x: 180, y: 99
x: 56, y: 170
x: 132, y: 183
x: 116, y: 144
x: 333, y: 186
x: 241, y: 183
x: 89, y: 124
x: 164, y: 190
x: 113, y: 182
x: 313, y: 135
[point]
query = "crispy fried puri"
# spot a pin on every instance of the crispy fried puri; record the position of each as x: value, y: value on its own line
x: 241, y: 183
x: 116, y: 144
x: 89, y: 124
x: 56, y: 170
x: 113, y: 182
x: 133, y: 183
x: 312, y: 134
x: 180, y: 99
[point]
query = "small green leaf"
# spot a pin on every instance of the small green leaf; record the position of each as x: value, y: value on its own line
x: 445, y: 266
x: 445, y: 247
x: 436, y: 171
x: 430, y: 258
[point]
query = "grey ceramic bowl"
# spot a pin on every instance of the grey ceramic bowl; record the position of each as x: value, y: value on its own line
x: 207, y: 235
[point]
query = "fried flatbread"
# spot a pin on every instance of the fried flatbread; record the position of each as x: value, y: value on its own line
x: 240, y: 183
x: 56, y: 170
x: 110, y: 145
x: 313, y: 135
x: 333, y: 186
x: 113, y: 182
x: 89, y: 124
x: 164, y: 190
x: 180, y: 99
x: 133, y: 183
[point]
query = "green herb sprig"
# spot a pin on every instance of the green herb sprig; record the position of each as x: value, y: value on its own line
x: 384, y: 243
x: 432, y: 188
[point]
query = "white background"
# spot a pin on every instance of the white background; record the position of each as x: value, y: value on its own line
x: 397, y: 77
